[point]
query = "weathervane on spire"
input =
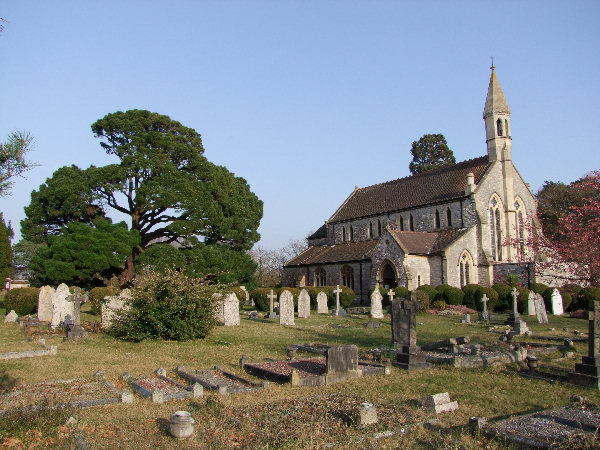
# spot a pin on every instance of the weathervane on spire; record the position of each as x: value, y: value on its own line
x: 493, y: 67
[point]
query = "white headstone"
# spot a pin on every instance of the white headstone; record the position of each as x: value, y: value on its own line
x: 231, y: 310
x: 303, y: 305
x: 62, y: 310
x: 44, y: 312
x: 11, y: 316
x: 557, y: 303
x: 218, y: 305
x: 286, y: 308
x: 376, y: 304
x: 113, y: 305
x: 531, y: 304
x: 322, y: 303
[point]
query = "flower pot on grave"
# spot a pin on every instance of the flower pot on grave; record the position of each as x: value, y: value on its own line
x: 181, y: 424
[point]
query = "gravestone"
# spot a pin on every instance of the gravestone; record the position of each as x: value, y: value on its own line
x: 485, y: 315
x: 438, y: 403
x: 322, y: 303
x: 376, y: 304
x: 45, y: 304
x: 404, y: 334
x: 62, y: 310
x: 303, y: 305
x: 112, y: 306
x: 519, y: 326
x: 467, y: 319
x: 557, y: 303
x: 11, y: 317
x: 218, y: 308
x: 587, y: 373
x: 540, y: 309
x: 75, y: 330
x: 272, y: 297
x: 286, y: 308
x: 342, y: 363
x: 531, y: 304
x: 231, y: 310
x: 247, y: 296
x: 339, y: 311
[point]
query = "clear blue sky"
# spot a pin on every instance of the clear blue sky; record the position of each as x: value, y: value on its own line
x: 304, y: 99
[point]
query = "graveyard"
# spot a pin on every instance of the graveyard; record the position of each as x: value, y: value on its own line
x: 97, y: 391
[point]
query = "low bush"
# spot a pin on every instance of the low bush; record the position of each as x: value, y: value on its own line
x: 23, y: 301
x: 439, y: 304
x: 422, y: 298
x: 567, y: 299
x: 259, y: 295
x: 401, y: 292
x: 471, y: 292
x: 169, y: 306
x: 522, y: 299
x: 313, y: 292
x: 430, y: 290
x: 450, y: 294
x: 587, y: 297
x: 97, y: 295
x: 504, y: 296
x: 538, y: 288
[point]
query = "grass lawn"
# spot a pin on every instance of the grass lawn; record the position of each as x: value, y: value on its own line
x: 282, y: 416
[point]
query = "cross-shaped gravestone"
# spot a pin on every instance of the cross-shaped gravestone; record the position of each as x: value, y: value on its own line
x: 485, y: 301
x: 75, y: 330
x: 515, y: 294
x: 338, y: 310
x: 271, y: 298
x: 587, y: 373
x: 391, y: 295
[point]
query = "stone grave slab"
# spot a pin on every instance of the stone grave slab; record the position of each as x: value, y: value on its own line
x: 73, y: 393
x: 439, y: 403
x: 322, y: 303
x: 220, y: 380
x: 44, y: 312
x: 161, y: 388
x: 555, y: 428
x: 286, y: 308
x: 303, y: 304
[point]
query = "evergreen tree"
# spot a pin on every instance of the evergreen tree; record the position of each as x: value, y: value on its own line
x: 430, y: 152
x: 6, y: 234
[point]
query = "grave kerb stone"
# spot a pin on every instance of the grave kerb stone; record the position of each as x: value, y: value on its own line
x: 439, y: 403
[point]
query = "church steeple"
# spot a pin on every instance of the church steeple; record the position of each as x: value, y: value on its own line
x: 496, y: 115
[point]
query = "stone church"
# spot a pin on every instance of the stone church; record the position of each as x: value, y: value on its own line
x: 448, y: 225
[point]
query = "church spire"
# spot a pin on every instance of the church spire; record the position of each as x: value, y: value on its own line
x: 496, y: 115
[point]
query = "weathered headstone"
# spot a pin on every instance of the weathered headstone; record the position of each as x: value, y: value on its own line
x: 438, y: 403
x: 218, y: 308
x: 485, y: 315
x: 588, y: 372
x: 44, y: 312
x: 342, y: 363
x: 272, y: 297
x: 75, y: 330
x: 62, y: 310
x: 339, y: 311
x: 247, y: 295
x: 519, y: 326
x: 540, y: 309
x: 404, y: 334
x: 286, y: 308
x: 113, y: 305
x: 322, y: 303
x: 376, y: 304
x: 557, y: 303
x: 467, y: 319
x: 303, y: 304
x: 531, y: 304
x: 11, y: 317
x: 231, y: 310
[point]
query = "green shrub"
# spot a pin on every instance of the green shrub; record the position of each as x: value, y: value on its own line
x: 97, y: 295
x: 587, y: 296
x: 538, y: 288
x: 423, y: 298
x: 522, y: 299
x: 504, y: 296
x: 430, y: 291
x: 439, y: 304
x: 169, y: 306
x: 450, y: 294
x: 259, y: 295
x: 573, y: 289
x: 492, y: 295
x: 471, y: 292
x: 567, y: 299
x: 313, y: 291
x: 24, y: 301
x: 401, y: 292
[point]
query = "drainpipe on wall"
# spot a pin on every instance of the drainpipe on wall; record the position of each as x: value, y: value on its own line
x: 361, y: 283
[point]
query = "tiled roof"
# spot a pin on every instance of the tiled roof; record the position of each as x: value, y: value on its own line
x: 426, y: 243
x: 320, y: 233
x: 322, y: 254
x: 495, y: 101
x: 434, y: 186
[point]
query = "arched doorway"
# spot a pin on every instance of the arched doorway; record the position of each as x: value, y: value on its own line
x: 388, y: 276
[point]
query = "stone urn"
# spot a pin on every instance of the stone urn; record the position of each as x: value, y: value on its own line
x: 181, y: 424
x: 532, y: 363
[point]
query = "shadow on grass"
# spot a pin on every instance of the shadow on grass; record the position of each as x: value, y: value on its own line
x: 6, y: 381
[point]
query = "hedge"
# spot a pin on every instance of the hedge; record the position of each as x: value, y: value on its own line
x: 23, y: 301
x: 401, y: 292
x: 471, y: 292
x: 259, y: 295
x: 450, y: 294
x: 504, y: 296
x: 538, y: 288
x: 430, y: 291
x: 423, y: 298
